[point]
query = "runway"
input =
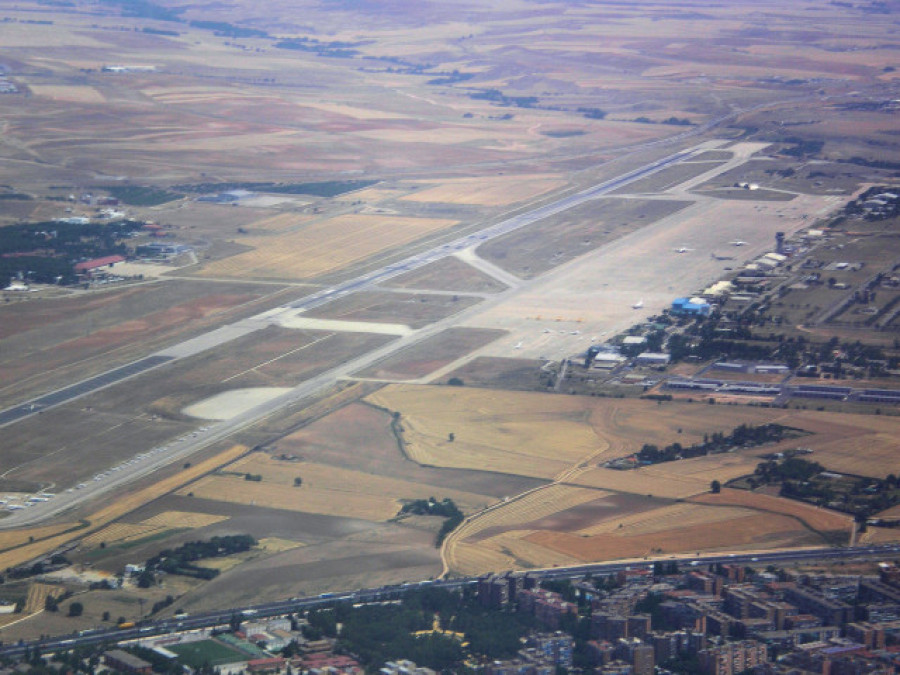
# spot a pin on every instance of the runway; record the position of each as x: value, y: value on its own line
x: 182, y: 448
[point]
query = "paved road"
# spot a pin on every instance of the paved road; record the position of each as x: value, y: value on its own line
x: 282, y: 607
x: 187, y: 445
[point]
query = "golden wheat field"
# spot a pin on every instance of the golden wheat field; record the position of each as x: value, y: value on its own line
x: 821, y: 520
x: 324, y: 489
x: 323, y: 246
x: 162, y: 522
x: 70, y: 93
x: 119, y: 507
x: 280, y: 222
x: 758, y: 531
x: 543, y: 435
x: 487, y: 191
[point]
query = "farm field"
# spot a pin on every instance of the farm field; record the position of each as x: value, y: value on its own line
x: 322, y: 247
x: 329, y: 441
x: 487, y: 191
x: 540, y: 434
x: 431, y: 354
x: 507, y: 424
x: 326, y: 490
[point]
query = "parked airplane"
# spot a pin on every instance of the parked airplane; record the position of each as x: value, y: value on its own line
x: 682, y: 249
x: 638, y: 305
x: 738, y: 242
x: 518, y: 345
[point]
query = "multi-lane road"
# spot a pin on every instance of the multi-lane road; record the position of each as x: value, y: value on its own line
x: 179, y: 449
x: 148, y: 629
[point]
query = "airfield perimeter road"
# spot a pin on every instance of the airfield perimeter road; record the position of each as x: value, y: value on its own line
x: 187, y: 445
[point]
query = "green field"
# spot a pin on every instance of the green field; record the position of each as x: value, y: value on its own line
x: 212, y: 652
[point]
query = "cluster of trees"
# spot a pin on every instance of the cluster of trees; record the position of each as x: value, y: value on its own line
x: 379, y: 633
x: 329, y: 188
x: 445, y: 508
x: 334, y: 49
x: 46, y: 251
x: 498, y: 97
x: 141, y: 195
x: 803, y: 480
x: 179, y: 560
x: 744, y: 435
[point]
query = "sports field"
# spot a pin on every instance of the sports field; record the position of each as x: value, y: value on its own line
x: 206, y: 652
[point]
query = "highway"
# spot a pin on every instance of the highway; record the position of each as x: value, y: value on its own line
x: 181, y: 448
x: 149, y: 629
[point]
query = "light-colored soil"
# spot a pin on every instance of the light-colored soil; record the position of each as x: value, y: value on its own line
x: 230, y: 404
x: 494, y: 191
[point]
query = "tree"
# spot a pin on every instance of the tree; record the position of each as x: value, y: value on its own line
x: 716, y: 487
x: 50, y: 604
x: 76, y: 609
x: 451, y: 437
x: 298, y: 481
x: 105, y: 616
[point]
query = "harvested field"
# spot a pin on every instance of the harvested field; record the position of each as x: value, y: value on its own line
x: 412, y: 309
x: 541, y: 435
x: 488, y: 191
x: 820, y: 520
x: 448, y: 274
x: 754, y: 531
x: 122, y: 506
x: 37, y: 595
x: 879, y: 535
x: 664, y: 518
x: 527, y: 511
x: 326, y: 490
x: 12, y: 538
x: 672, y: 479
x: 335, y: 440
x: 323, y: 246
x: 431, y: 354
x: 537, y: 248
x: 488, y: 435
x: 282, y: 222
x: 120, y: 532
x: 70, y: 94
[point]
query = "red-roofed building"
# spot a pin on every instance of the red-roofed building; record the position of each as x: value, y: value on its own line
x: 91, y: 265
x: 330, y: 663
x: 258, y: 665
